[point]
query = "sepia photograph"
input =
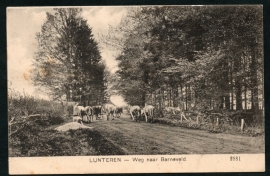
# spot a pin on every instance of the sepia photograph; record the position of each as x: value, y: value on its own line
x: 135, y: 89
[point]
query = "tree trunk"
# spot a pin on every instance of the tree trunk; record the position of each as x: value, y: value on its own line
x: 221, y: 102
x: 143, y: 98
x: 238, y: 84
x: 170, y: 96
x: 245, y: 84
x: 181, y: 100
x: 181, y: 89
x: 226, y: 79
x: 186, y: 97
x: 155, y: 98
x: 162, y: 98
x: 227, y: 101
x: 175, y: 102
x: 254, y: 83
x: 210, y: 103
x: 230, y: 79
x: 231, y: 91
x: 245, y: 94
x: 159, y: 99
x: 152, y: 98
x: 238, y: 94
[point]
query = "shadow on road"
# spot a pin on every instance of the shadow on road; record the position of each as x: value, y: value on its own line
x: 101, y: 145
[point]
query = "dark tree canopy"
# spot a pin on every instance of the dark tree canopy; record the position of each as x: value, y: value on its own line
x: 210, y: 56
x: 68, y: 61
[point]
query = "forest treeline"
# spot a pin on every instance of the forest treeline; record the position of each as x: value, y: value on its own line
x: 204, y: 57
x: 68, y: 62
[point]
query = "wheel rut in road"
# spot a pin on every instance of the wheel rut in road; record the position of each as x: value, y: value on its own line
x: 147, y: 138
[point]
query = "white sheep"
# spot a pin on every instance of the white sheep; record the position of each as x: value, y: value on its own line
x: 77, y: 119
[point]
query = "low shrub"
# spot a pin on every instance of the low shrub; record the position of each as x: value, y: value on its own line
x: 208, y: 121
x: 35, y: 139
x: 23, y: 105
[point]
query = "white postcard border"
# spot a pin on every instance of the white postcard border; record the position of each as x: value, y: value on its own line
x: 145, y: 164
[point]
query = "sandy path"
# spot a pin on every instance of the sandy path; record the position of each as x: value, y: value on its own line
x: 146, y: 138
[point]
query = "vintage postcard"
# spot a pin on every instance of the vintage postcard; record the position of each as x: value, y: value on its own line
x: 135, y: 89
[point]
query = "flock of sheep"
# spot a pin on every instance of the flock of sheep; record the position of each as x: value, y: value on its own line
x: 110, y: 110
x: 79, y: 112
x: 148, y: 112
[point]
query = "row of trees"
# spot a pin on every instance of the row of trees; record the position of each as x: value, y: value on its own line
x: 202, y: 56
x: 68, y: 62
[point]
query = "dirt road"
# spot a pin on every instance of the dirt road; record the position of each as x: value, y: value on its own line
x: 146, y: 138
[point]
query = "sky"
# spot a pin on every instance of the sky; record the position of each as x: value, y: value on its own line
x: 22, y: 25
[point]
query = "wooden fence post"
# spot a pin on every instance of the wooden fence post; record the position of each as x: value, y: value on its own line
x: 242, y: 125
x: 197, y: 120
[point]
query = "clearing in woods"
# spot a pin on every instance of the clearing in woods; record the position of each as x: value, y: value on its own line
x: 149, y: 139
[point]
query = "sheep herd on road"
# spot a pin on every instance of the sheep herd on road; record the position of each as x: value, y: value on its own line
x: 88, y: 113
x: 80, y: 112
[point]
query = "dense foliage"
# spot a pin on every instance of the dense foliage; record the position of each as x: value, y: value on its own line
x: 68, y: 61
x: 207, y: 60
x: 204, y: 57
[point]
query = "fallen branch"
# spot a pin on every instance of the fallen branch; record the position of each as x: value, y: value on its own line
x: 34, y: 115
x: 182, y: 114
x: 10, y: 123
